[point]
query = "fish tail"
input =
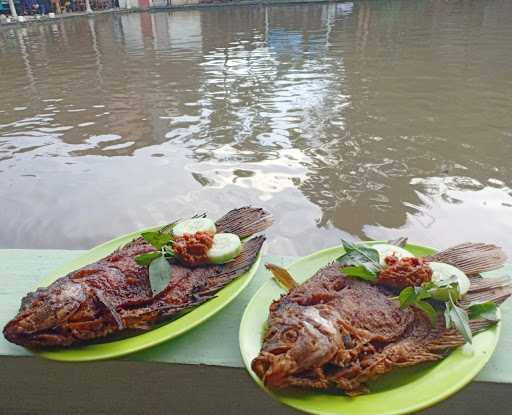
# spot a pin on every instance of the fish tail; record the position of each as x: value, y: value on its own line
x: 497, y: 295
x: 235, y: 268
x: 484, y: 284
x: 245, y: 221
x: 472, y: 258
x: 477, y: 326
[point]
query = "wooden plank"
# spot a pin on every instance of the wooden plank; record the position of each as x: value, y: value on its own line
x: 38, y: 387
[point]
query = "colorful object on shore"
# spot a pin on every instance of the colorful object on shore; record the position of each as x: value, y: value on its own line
x: 114, y: 293
x: 335, y: 330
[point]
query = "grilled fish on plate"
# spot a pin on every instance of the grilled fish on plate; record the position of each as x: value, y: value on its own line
x: 337, y: 331
x: 114, y: 294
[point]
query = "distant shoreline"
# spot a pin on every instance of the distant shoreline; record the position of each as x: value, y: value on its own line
x: 157, y: 8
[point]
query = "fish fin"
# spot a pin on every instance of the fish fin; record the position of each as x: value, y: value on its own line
x: 472, y: 258
x: 497, y: 295
x: 477, y: 326
x: 244, y: 221
x: 282, y: 276
x: 234, y: 269
x: 451, y: 338
x: 400, y: 242
x: 110, y: 307
x: 479, y: 283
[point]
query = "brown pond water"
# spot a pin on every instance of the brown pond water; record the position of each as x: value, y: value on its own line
x: 359, y: 120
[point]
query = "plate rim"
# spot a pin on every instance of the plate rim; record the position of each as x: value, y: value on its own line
x: 67, y: 354
x: 406, y: 410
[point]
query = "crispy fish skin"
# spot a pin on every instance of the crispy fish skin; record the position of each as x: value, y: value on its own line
x: 338, y: 331
x: 349, y: 318
x: 114, y: 293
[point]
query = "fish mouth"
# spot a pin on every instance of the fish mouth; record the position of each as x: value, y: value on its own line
x: 274, y: 369
x: 17, y: 335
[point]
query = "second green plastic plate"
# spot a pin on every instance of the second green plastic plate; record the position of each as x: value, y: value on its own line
x: 398, y: 392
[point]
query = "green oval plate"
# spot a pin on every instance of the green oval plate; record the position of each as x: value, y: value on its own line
x: 401, y: 391
x: 146, y: 339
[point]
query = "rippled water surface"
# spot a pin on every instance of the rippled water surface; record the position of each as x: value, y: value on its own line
x: 366, y: 120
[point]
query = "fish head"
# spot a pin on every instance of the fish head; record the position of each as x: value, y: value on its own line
x: 299, y: 338
x: 42, y: 312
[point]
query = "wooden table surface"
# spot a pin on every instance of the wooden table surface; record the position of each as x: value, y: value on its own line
x: 196, y: 373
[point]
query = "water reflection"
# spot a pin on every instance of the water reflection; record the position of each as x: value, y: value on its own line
x: 367, y: 119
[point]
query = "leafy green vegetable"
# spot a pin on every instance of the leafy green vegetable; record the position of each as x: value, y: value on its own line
x: 459, y: 319
x: 359, y: 272
x: 145, y: 259
x: 444, y: 293
x: 487, y: 310
x: 407, y: 297
x: 360, y: 261
x: 425, y: 291
x: 428, y: 310
x: 416, y: 296
x: 159, y: 274
x: 161, y: 240
x: 156, y: 238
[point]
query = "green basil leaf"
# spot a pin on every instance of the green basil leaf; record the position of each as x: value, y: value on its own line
x: 159, y: 274
x: 444, y: 293
x: 428, y: 285
x: 487, y: 310
x: 422, y: 293
x: 146, y: 259
x: 360, y: 255
x: 359, y: 272
x: 460, y: 320
x: 428, y: 310
x: 407, y: 297
x: 157, y: 239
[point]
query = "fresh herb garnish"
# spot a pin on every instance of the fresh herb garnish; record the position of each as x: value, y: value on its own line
x: 159, y: 268
x: 444, y: 293
x: 458, y: 317
x: 359, y: 271
x: 407, y: 297
x: 487, y: 311
x: 428, y: 310
x: 146, y: 259
x: 416, y: 296
x: 454, y: 316
x: 156, y: 238
x: 159, y: 274
x: 360, y: 261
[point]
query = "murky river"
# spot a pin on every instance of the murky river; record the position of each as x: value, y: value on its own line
x: 365, y: 120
